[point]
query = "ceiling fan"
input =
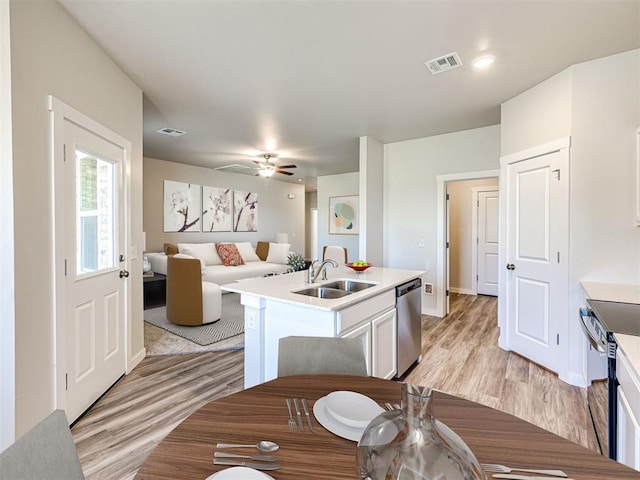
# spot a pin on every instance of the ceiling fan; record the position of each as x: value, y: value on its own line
x: 267, y: 168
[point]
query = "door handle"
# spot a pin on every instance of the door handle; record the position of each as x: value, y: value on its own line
x: 124, y: 274
x: 511, y: 266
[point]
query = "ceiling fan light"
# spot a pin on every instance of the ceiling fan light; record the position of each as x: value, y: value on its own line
x: 267, y: 172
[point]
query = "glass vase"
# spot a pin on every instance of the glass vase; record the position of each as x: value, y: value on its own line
x: 409, y: 444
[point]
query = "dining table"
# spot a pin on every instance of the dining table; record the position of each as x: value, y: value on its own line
x: 260, y: 413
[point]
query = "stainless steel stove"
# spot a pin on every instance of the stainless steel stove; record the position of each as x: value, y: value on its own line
x: 600, y: 321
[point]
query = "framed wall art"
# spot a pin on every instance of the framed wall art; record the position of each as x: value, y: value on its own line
x: 181, y: 207
x: 217, y: 209
x: 245, y: 211
x: 344, y: 215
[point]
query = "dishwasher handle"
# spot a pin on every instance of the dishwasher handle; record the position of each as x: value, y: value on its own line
x: 408, y: 287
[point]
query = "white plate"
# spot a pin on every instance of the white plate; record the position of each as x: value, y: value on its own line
x: 239, y: 473
x: 352, y: 408
x: 334, y: 426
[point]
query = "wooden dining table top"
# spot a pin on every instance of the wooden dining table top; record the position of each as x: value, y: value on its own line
x: 260, y: 413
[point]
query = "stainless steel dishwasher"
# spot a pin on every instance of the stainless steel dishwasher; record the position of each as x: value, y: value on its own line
x: 409, y: 335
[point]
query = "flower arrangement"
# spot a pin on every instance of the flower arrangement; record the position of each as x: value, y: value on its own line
x: 295, y: 261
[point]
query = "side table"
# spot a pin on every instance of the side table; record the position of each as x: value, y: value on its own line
x: 155, y: 291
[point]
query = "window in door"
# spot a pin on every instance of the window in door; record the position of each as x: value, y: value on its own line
x: 95, y: 214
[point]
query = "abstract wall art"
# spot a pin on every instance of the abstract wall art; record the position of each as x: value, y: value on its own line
x: 344, y: 215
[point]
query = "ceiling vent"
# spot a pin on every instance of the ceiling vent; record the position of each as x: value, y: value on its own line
x: 172, y: 132
x: 444, y: 63
x: 234, y: 168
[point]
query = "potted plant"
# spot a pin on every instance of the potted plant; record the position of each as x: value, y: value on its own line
x: 295, y: 261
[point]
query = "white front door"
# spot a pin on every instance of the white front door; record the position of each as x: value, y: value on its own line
x: 94, y: 247
x: 537, y: 256
x: 488, y: 242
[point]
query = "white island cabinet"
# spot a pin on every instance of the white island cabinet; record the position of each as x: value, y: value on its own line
x: 274, y: 310
x: 628, y: 401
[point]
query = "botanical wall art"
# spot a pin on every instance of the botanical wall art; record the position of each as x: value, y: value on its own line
x: 245, y: 211
x: 217, y: 209
x: 181, y: 207
x: 344, y: 215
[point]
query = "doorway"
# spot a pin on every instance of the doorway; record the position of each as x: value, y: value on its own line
x: 443, y: 274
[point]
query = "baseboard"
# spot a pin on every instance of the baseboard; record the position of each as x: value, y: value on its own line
x: 135, y: 360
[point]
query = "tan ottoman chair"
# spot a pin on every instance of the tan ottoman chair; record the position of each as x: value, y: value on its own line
x: 190, y: 301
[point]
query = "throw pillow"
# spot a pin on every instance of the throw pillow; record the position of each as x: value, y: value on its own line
x: 278, y: 253
x: 229, y: 254
x: 169, y: 249
x: 262, y: 250
x: 246, y: 252
x: 206, y: 252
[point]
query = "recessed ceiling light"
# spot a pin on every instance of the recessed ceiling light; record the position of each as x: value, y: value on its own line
x: 483, y: 61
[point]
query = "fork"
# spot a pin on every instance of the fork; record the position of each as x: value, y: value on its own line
x: 292, y: 423
x: 494, y: 467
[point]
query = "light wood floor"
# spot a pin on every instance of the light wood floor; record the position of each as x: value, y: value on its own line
x: 460, y: 357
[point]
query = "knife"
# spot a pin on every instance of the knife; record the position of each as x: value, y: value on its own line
x: 255, y: 466
x: 257, y: 458
x: 300, y: 424
x: 306, y: 412
x: 526, y: 477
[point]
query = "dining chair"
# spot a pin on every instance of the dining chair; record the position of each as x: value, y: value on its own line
x: 45, y: 451
x: 336, y: 253
x: 321, y: 355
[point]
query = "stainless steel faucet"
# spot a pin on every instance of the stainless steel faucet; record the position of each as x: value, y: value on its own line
x: 313, y: 274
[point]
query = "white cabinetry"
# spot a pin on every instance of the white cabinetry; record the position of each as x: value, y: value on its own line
x: 375, y: 323
x: 628, y: 413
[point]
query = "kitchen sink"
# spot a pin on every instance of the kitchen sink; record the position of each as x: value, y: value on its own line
x: 323, y: 292
x: 349, y: 285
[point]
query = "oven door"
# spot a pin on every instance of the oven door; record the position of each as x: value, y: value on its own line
x: 593, y: 330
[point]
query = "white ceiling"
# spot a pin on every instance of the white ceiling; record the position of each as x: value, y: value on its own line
x: 305, y: 79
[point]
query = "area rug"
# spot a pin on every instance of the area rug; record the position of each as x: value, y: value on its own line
x: 170, y: 338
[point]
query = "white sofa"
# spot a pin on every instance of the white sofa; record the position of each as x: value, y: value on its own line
x: 215, y: 271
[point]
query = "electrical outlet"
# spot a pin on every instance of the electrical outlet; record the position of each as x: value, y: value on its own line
x: 251, y: 322
x: 428, y: 288
x: 421, y: 243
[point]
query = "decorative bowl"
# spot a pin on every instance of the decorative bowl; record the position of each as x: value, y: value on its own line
x: 359, y: 268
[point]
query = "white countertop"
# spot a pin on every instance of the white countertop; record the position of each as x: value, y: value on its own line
x: 612, y: 292
x: 281, y: 287
x: 630, y: 345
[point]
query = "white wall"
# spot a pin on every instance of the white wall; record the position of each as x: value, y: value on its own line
x: 603, y: 98
x: 52, y: 55
x: 460, y: 233
x: 371, y: 200
x: 537, y: 116
x: 311, y: 202
x: 276, y: 212
x: 410, y: 214
x: 7, y: 292
x: 332, y: 186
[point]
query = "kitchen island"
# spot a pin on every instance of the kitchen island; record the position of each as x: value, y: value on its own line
x: 274, y: 309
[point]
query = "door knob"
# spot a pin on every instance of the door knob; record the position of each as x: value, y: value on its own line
x: 124, y: 274
x: 511, y: 266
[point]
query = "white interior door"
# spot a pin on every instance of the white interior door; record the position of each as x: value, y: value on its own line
x: 95, y: 266
x: 313, y: 233
x: 447, y: 261
x: 488, y: 234
x: 537, y: 256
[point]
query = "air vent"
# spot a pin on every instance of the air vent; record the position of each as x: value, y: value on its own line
x: 444, y: 63
x: 172, y: 132
x: 234, y: 168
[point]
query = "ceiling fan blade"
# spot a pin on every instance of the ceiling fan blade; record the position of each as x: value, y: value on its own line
x: 257, y: 162
x: 287, y: 166
x: 284, y: 172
